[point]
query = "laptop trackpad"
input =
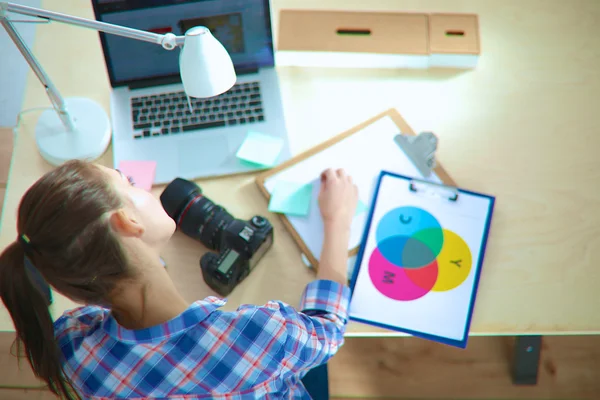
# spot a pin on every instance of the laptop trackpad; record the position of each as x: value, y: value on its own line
x: 202, y: 157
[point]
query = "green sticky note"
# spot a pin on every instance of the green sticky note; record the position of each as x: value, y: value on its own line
x: 260, y: 149
x: 360, y: 208
x: 291, y: 198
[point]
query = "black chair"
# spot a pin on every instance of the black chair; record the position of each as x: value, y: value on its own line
x: 316, y: 382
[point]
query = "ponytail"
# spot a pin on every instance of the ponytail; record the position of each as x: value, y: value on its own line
x: 28, y: 308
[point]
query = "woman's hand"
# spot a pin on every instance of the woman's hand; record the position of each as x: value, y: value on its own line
x: 338, y: 199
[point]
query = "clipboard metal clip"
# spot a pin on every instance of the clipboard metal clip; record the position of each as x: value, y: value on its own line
x: 435, y: 189
x: 420, y: 150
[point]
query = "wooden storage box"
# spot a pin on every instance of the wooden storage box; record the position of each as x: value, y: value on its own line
x: 354, y: 39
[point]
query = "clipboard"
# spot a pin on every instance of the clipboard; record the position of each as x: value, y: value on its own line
x: 420, y: 260
x: 303, y: 158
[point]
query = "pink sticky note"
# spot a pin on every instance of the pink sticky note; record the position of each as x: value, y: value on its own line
x: 142, y: 172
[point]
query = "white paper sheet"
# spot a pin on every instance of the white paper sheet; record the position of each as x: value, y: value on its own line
x: 363, y: 155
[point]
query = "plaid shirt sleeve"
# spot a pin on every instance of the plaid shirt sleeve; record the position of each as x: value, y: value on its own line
x: 313, y: 335
x: 312, y: 340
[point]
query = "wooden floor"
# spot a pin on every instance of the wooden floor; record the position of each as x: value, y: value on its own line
x: 408, y: 368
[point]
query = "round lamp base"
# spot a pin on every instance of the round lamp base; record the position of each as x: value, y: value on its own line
x: 89, y: 140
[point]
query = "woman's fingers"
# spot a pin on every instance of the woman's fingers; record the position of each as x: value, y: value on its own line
x: 327, y: 174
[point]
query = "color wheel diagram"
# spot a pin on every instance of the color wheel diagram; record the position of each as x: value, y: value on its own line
x: 415, y: 255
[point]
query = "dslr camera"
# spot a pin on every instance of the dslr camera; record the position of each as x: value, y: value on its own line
x: 238, y: 244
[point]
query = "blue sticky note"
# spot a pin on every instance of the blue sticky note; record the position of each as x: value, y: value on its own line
x: 291, y: 198
x: 360, y: 208
x: 260, y: 149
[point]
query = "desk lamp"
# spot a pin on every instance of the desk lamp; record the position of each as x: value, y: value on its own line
x: 79, y: 128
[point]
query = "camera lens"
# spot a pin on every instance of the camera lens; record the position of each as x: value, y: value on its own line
x: 195, y: 215
x: 177, y: 195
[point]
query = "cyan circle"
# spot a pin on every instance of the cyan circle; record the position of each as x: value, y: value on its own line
x: 405, y: 221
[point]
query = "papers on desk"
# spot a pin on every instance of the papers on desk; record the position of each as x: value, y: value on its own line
x: 141, y: 172
x: 260, y: 149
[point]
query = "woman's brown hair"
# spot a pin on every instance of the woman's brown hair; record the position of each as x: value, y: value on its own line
x: 64, y: 231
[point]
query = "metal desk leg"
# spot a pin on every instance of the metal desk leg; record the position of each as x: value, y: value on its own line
x: 526, y: 359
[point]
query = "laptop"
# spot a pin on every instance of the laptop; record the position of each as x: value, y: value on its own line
x: 151, y: 115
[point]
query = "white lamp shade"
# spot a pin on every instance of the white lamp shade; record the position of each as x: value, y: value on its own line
x: 205, y: 66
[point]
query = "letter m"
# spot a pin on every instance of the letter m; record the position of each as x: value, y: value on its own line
x: 388, y: 277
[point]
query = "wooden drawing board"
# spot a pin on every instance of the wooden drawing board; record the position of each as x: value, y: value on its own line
x: 307, y: 166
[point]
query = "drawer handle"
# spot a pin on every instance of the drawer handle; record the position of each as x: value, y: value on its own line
x: 455, y: 33
x: 354, y: 32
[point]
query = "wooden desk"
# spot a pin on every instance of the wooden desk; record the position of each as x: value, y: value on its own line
x: 523, y: 126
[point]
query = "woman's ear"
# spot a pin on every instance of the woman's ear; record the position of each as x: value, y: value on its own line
x: 125, y: 224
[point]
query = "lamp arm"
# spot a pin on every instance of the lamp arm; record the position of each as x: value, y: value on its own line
x: 55, y: 98
x: 168, y: 41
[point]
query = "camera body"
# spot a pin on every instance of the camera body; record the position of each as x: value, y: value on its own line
x: 238, y: 245
x: 244, y: 244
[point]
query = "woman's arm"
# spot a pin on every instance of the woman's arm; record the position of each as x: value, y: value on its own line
x: 338, y: 199
x: 317, y: 332
x: 309, y: 337
x: 334, y: 256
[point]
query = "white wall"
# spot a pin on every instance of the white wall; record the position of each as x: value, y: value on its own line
x: 13, y: 67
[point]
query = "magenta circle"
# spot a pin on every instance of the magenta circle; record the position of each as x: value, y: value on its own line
x: 391, y: 280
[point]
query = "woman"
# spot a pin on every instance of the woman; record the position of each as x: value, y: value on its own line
x: 96, y: 239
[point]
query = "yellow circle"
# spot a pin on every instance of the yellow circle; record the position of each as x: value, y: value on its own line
x: 454, y: 262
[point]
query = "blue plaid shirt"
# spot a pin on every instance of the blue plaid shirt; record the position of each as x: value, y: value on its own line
x: 254, y: 352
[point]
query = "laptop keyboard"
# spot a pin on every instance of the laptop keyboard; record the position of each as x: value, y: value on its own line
x: 170, y: 114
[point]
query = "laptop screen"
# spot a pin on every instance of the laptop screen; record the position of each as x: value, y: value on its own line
x: 242, y: 26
